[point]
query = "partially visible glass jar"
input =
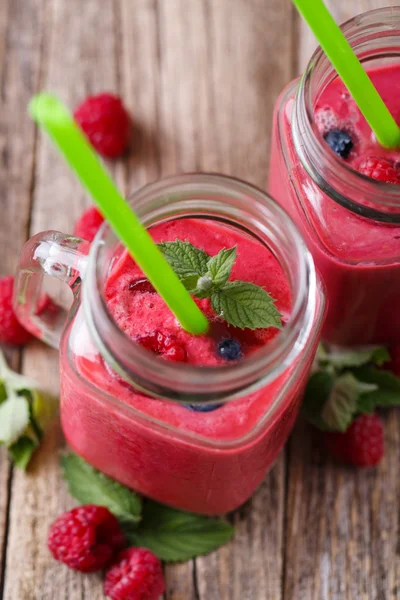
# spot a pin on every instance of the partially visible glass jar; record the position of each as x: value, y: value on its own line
x: 350, y: 223
x: 124, y: 409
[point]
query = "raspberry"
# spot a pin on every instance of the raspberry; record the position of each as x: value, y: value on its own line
x: 380, y: 168
x: 85, y: 538
x: 88, y: 224
x: 106, y: 123
x: 135, y: 575
x: 361, y: 445
x: 167, y: 346
x: 11, y: 330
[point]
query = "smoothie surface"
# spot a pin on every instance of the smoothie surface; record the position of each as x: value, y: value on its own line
x: 140, y: 313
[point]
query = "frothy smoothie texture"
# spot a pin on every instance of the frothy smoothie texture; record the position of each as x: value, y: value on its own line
x: 208, y: 461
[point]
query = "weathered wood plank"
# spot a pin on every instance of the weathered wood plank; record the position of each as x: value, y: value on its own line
x: 4, y: 464
x: 80, y: 59
x: 18, y: 40
x: 342, y: 524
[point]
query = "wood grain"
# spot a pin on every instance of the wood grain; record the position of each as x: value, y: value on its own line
x: 20, y: 39
x: 201, y: 78
x: 343, y: 530
x: 80, y: 59
x: 4, y: 464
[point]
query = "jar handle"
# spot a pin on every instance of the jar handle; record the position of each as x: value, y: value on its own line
x: 57, y: 255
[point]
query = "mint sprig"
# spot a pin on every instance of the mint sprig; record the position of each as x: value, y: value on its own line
x: 347, y: 383
x: 173, y: 535
x: 24, y: 414
x: 240, y: 303
x: 188, y: 262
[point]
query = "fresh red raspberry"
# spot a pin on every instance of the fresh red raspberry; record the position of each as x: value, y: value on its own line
x: 85, y: 538
x: 88, y: 224
x: 136, y: 574
x: 11, y: 330
x: 361, y: 445
x: 380, y: 168
x: 106, y: 123
x: 167, y: 346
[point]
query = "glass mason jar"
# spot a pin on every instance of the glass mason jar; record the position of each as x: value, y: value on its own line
x: 350, y: 223
x: 124, y: 409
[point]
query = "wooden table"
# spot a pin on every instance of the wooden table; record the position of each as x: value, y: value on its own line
x: 201, y: 78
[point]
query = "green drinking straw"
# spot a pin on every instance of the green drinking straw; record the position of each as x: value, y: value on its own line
x: 349, y: 68
x: 54, y: 117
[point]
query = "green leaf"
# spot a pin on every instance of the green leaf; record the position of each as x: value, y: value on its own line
x: 174, y: 535
x: 3, y: 392
x: 244, y: 305
x: 188, y: 262
x: 12, y: 380
x: 204, y: 288
x: 381, y: 398
x: 190, y: 282
x: 388, y: 392
x: 342, y: 402
x: 220, y: 266
x: 347, y: 359
x: 14, y: 418
x: 318, y: 389
x: 89, y: 486
x: 21, y: 451
x: 385, y: 380
x: 366, y: 404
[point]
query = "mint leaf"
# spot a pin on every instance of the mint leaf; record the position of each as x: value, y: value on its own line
x: 21, y: 451
x: 89, y: 486
x: 12, y: 380
x: 175, y: 535
x: 342, y: 402
x: 318, y: 389
x: 14, y: 418
x: 220, y: 266
x: 347, y: 359
x: 388, y: 392
x: 3, y: 392
x: 188, y: 262
x: 244, y: 304
x: 385, y: 380
x: 204, y: 287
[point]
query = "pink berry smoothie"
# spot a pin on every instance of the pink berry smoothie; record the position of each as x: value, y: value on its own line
x: 358, y: 257
x: 203, y: 461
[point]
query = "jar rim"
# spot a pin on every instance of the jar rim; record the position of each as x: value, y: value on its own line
x: 189, y: 383
x: 380, y: 197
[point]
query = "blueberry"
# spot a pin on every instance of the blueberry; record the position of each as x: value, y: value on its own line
x: 230, y: 349
x: 340, y: 142
x: 203, y: 407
